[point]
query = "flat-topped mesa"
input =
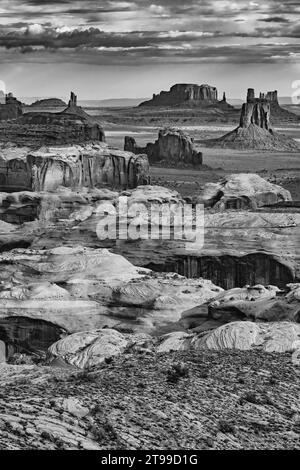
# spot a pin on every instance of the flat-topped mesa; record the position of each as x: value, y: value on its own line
x: 11, y: 109
x: 172, y: 146
x: 184, y: 93
x: 75, y: 167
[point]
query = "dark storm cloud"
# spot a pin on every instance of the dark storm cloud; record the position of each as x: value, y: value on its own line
x: 150, y: 31
x: 92, y: 38
x: 263, y: 54
x: 275, y: 19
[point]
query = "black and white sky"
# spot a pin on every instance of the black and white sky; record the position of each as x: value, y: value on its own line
x: 114, y: 48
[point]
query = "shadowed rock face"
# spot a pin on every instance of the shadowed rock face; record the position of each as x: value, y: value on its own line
x: 257, y: 114
x: 172, y: 145
x: 184, y: 93
x: 231, y: 271
x: 74, y: 167
x: 26, y: 335
x: 11, y: 109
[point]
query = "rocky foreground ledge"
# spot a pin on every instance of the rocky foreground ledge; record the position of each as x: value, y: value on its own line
x: 182, y: 400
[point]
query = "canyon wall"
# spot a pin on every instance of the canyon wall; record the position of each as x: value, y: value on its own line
x: 75, y: 167
x: 231, y: 271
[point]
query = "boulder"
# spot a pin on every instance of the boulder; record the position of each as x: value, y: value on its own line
x: 279, y: 337
x: 242, y: 191
x: 73, y: 406
x: 86, y: 349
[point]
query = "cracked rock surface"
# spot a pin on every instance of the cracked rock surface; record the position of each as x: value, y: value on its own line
x: 183, y: 400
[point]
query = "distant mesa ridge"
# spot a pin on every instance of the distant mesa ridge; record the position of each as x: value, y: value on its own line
x: 184, y: 93
x: 48, y: 103
x: 72, y: 125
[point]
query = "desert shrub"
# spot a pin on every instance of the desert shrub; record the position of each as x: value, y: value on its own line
x: 177, y: 371
x: 226, y: 426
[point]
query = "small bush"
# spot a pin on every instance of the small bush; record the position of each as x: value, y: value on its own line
x: 226, y: 427
x: 250, y: 397
x: 177, y: 371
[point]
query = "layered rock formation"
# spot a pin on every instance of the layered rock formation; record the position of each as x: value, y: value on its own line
x: 90, y: 165
x: 182, y: 93
x: 256, y: 111
x: 68, y: 290
x: 242, y: 191
x: 255, y: 303
x: 11, y: 109
x: 90, y: 348
x: 276, y: 337
x: 173, y: 146
x: 240, y: 247
x: 34, y: 129
x: 255, y: 131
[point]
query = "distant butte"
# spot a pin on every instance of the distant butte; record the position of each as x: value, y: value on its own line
x: 188, y: 94
x: 255, y: 131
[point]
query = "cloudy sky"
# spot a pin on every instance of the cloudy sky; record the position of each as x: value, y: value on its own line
x: 114, y: 48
